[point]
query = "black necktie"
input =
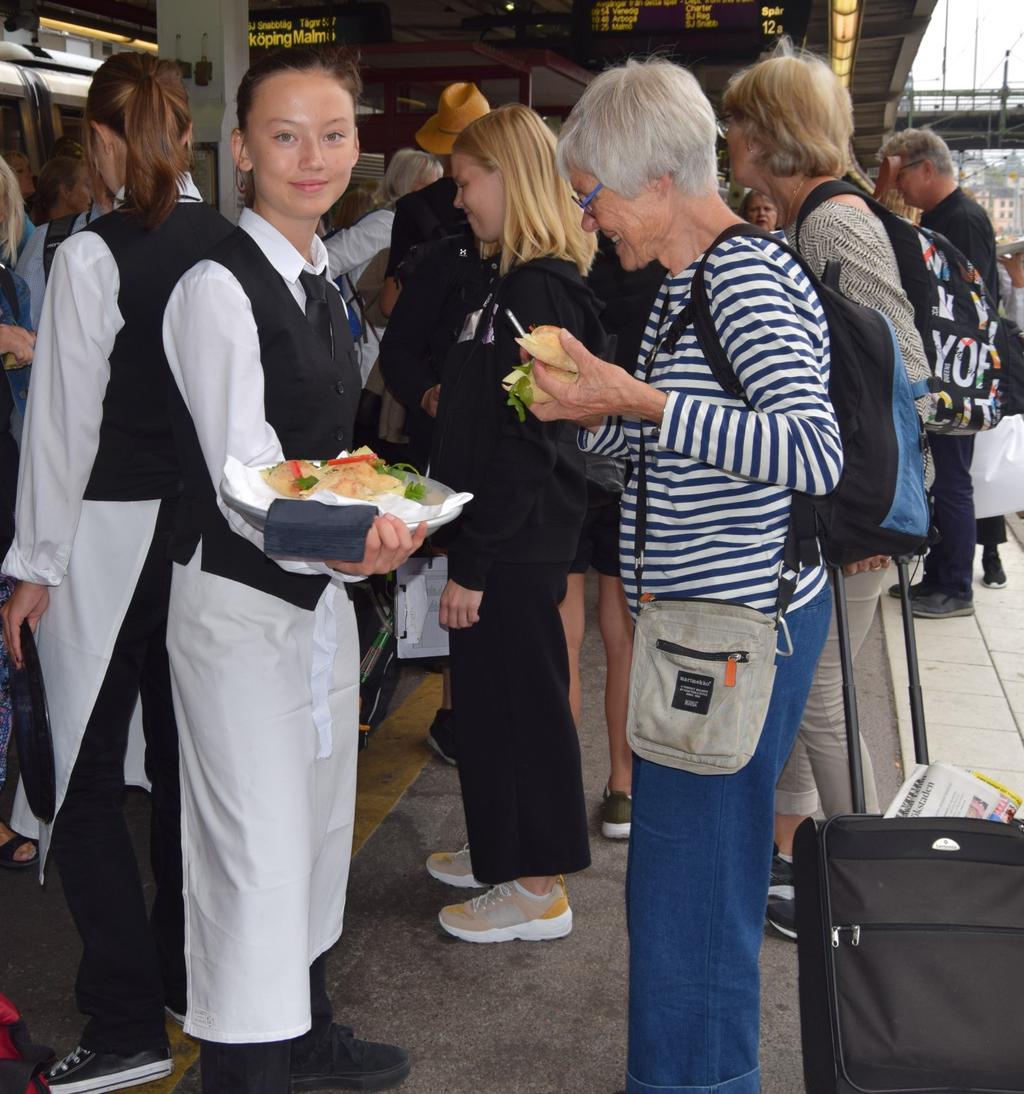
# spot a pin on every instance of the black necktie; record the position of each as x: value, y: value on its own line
x: 318, y: 314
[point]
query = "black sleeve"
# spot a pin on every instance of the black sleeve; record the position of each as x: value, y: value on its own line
x: 406, y: 362
x: 524, y: 457
x: 403, y: 237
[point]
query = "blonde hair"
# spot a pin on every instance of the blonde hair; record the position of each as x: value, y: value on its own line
x: 541, y: 218
x: 12, y: 209
x: 797, y: 112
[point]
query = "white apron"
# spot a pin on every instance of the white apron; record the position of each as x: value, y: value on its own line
x: 266, y: 824
x: 77, y: 633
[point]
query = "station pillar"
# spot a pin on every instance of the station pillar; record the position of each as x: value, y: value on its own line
x: 217, y: 32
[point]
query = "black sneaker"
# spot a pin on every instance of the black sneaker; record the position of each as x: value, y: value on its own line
x: 936, y: 605
x: 994, y: 574
x: 781, y: 885
x: 919, y: 588
x: 345, y: 1063
x: 86, y: 1072
x: 441, y: 736
x: 782, y: 916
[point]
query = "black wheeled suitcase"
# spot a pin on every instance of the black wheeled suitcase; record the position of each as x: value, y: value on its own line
x: 910, y: 939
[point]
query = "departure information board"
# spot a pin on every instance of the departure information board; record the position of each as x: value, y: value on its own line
x: 285, y: 28
x: 730, y: 27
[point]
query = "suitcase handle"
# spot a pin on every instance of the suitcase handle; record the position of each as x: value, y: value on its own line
x: 850, y: 688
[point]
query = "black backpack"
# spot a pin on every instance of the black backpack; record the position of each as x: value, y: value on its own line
x: 56, y: 233
x: 954, y: 313
x: 880, y: 506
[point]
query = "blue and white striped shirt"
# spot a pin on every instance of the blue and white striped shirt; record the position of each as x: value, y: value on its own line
x: 720, y: 474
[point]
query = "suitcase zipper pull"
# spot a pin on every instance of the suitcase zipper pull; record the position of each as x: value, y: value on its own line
x: 854, y: 935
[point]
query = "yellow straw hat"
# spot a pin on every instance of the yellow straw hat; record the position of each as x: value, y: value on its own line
x: 459, y: 105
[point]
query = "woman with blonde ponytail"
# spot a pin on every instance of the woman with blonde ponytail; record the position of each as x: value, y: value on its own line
x: 96, y: 505
x: 508, y: 559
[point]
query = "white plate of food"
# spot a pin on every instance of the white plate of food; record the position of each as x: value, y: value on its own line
x: 359, y: 478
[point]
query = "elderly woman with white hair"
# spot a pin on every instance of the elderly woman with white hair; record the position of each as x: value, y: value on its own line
x: 720, y: 471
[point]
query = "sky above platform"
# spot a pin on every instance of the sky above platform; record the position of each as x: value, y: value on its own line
x: 1000, y: 26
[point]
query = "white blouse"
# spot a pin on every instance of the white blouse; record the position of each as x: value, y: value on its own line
x: 70, y: 373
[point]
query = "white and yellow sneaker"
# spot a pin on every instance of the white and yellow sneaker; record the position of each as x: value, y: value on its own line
x: 454, y: 868
x: 507, y: 912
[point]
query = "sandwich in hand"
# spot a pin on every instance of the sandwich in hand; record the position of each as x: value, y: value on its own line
x: 541, y: 344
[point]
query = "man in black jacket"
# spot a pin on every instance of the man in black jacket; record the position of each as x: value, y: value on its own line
x: 927, y: 180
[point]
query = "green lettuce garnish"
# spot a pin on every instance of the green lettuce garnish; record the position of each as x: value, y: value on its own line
x: 520, y: 394
x: 415, y: 490
x: 307, y: 483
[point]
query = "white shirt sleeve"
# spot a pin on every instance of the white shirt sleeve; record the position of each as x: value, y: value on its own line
x: 213, y: 349
x: 353, y: 247
x: 70, y: 372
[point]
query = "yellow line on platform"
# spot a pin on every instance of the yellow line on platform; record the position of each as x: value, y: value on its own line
x: 393, y: 758
x: 388, y: 766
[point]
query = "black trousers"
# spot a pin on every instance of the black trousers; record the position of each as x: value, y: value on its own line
x: 133, y: 962
x: 990, y: 531
x: 519, y: 756
x: 265, y: 1067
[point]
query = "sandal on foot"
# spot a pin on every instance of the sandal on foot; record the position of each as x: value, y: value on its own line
x: 9, y: 849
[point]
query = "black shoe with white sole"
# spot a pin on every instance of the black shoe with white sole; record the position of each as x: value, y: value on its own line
x: 87, y: 1072
x: 992, y: 567
x: 781, y: 915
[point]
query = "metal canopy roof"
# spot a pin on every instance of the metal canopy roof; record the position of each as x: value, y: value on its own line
x: 890, y: 34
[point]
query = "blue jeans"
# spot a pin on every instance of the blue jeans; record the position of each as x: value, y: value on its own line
x: 700, y: 854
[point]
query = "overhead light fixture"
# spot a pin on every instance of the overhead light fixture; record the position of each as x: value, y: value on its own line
x: 844, y: 33
x: 99, y: 35
x: 510, y: 6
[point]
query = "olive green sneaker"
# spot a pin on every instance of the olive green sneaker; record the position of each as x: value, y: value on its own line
x: 616, y: 809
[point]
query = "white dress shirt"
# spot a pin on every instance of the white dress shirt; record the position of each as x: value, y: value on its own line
x: 209, y: 320
x: 79, y: 323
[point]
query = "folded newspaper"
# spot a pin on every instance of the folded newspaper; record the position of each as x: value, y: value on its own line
x: 942, y: 790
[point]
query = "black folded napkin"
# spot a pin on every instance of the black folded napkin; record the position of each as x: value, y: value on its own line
x: 31, y: 722
x: 307, y: 529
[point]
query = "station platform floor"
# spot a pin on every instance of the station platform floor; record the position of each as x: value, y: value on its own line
x: 532, y: 1018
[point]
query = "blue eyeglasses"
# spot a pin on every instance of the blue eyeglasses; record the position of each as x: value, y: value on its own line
x: 584, y: 202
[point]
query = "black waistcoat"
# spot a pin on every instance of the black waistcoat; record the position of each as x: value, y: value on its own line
x: 136, y: 458
x: 310, y: 401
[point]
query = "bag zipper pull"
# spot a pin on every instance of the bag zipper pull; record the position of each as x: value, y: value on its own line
x: 730, y: 669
